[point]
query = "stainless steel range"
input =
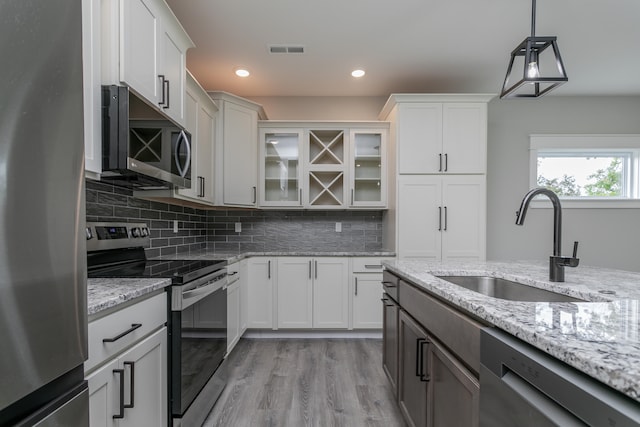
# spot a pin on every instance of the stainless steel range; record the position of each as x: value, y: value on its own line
x: 197, y: 313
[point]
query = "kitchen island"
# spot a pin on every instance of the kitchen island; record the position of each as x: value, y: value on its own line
x: 600, y: 338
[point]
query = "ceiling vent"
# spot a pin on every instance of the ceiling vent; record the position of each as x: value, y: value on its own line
x: 285, y: 49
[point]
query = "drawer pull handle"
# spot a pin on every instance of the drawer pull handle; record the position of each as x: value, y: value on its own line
x: 373, y: 266
x: 390, y: 284
x: 233, y: 274
x: 120, y: 415
x: 133, y: 327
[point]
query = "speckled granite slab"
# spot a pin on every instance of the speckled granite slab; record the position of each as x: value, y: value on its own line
x: 233, y: 257
x: 106, y: 293
x: 601, y: 338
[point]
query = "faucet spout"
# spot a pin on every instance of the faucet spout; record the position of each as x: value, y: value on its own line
x: 556, y: 261
x: 557, y: 214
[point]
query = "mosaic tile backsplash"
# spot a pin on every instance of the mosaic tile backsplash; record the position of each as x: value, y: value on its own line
x: 261, y: 231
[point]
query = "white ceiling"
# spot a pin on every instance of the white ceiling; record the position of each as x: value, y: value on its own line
x: 405, y: 45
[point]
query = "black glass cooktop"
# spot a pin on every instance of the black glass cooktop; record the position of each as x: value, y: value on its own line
x: 107, y: 265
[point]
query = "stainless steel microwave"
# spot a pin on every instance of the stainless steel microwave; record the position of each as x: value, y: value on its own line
x: 141, y: 148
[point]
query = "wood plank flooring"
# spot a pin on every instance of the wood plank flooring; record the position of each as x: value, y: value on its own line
x: 306, y: 382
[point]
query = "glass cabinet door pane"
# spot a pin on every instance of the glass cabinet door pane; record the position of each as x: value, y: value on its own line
x: 281, y: 162
x: 367, y: 167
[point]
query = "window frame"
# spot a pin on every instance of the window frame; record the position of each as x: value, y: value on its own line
x: 601, y: 143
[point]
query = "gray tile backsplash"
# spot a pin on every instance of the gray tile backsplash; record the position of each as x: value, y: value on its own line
x: 294, y: 231
x: 215, y: 229
x: 106, y: 202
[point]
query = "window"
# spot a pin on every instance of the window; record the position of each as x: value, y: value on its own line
x: 590, y: 171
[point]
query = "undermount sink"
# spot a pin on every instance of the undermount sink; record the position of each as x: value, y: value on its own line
x: 507, y: 289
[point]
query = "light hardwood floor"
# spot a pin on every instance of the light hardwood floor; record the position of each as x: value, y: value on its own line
x: 306, y: 382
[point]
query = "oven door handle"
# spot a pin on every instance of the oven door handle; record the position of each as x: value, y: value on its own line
x: 182, y: 299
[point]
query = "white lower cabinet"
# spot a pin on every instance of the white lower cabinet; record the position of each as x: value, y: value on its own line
x: 260, y: 278
x: 295, y: 292
x: 313, y: 293
x: 131, y: 390
x: 366, y: 292
x: 366, y: 301
x: 127, y: 366
x: 233, y: 306
x: 331, y: 293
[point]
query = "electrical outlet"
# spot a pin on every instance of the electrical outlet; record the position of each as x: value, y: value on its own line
x: 238, y: 227
x: 175, y: 225
x: 338, y: 227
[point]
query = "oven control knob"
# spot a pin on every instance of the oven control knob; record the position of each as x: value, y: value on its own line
x: 145, y: 232
x: 135, y: 232
x: 88, y: 233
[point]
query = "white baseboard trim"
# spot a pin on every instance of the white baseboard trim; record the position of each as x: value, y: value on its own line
x: 262, y: 334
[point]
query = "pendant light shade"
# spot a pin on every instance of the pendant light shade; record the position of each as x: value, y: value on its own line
x: 535, y: 66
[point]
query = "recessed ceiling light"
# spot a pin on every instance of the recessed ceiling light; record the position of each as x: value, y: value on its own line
x: 242, y: 72
x: 357, y: 73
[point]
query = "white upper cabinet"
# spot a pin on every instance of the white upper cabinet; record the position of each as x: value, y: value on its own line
x: 368, y: 168
x: 326, y: 152
x: 236, y: 150
x: 140, y: 46
x: 201, y: 122
x: 464, y: 137
x: 323, y: 165
x: 280, y: 167
x: 146, y: 44
x: 440, y: 133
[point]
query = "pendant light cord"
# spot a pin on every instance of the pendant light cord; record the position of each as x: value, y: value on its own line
x: 533, y: 18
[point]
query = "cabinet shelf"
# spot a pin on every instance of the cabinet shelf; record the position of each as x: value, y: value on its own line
x: 277, y: 178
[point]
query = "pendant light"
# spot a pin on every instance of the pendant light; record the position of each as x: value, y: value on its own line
x: 540, y: 71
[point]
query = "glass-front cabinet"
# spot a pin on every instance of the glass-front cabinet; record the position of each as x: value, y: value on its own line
x: 368, y: 186
x: 280, y: 168
x: 323, y: 165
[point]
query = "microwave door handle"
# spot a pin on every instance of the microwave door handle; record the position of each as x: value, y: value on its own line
x: 182, y: 170
x: 187, y: 162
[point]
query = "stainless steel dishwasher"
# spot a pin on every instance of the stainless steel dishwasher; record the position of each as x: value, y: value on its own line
x: 525, y: 387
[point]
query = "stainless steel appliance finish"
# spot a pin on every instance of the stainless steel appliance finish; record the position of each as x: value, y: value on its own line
x: 522, y: 386
x: 142, y: 149
x: 43, y: 301
x: 198, y: 344
x: 506, y: 289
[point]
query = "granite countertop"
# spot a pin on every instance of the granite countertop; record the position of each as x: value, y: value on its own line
x: 103, y: 294
x: 600, y: 338
x: 233, y: 257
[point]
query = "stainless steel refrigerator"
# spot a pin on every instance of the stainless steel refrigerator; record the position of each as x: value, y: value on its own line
x: 43, y: 320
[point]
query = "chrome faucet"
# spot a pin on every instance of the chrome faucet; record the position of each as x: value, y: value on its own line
x: 557, y: 263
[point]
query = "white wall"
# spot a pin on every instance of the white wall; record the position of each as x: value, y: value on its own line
x: 321, y: 107
x: 608, y: 237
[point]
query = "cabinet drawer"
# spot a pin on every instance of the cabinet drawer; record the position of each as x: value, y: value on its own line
x: 367, y: 264
x: 150, y: 314
x: 390, y: 285
x: 459, y: 333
